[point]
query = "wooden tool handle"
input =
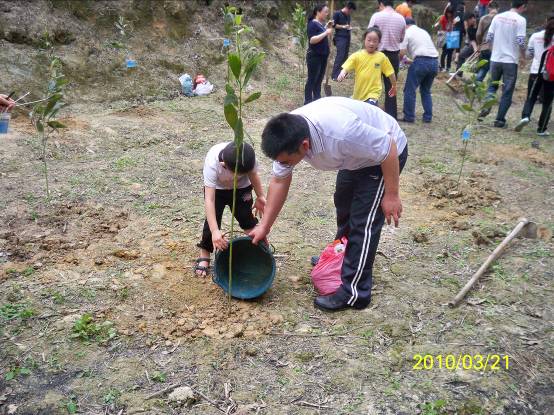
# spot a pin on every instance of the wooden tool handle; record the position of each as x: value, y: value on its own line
x: 492, y: 257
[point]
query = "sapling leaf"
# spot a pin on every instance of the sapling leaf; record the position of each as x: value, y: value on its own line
x: 253, y: 97
x: 252, y: 64
x: 467, y: 107
x: 482, y: 63
x: 231, y: 115
x: 235, y: 64
x: 55, y: 124
x: 229, y: 89
x: 239, y: 133
x: 39, y: 127
x: 231, y: 99
x: 489, y: 103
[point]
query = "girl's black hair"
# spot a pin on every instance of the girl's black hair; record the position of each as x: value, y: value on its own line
x: 317, y: 9
x: 548, y: 33
x: 373, y: 29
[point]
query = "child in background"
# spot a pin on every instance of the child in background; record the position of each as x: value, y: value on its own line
x: 368, y: 65
x: 219, y: 168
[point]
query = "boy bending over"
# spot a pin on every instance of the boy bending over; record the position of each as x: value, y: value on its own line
x: 219, y: 168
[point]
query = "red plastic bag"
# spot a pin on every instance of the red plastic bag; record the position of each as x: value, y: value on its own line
x: 326, y: 274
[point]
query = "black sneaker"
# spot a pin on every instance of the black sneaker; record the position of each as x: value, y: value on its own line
x: 483, y: 114
x: 500, y: 124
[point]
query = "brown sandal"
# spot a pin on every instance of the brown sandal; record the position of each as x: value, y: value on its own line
x: 202, y: 268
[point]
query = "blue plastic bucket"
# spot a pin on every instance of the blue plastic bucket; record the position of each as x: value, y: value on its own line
x: 253, y: 269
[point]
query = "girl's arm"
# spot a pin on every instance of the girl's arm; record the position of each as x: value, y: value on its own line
x: 342, y: 75
x: 392, y: 90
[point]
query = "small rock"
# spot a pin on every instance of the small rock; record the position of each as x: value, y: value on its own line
x: 126, y: 254
x: 420, y: 237
x: 210, y: 332
x: 276, y: 318
x: 12, y: 409
x: 182, y: 394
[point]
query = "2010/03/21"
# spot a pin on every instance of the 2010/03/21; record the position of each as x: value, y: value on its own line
x: 476, y: 362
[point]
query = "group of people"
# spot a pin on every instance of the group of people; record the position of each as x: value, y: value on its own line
x: 353, y: 136
x: 392, y: 35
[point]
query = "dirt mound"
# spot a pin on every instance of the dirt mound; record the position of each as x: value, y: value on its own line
x: 472, y: 193
x: 49, y: 232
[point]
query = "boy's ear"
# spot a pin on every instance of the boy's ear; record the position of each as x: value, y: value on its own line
x: 222, y: 163
x: 305, y: 144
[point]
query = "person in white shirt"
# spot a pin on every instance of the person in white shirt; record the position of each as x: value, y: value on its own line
x: 423, y: 55
x: 540, y: 83
x: 507, y: 33
x: 219, y: 170
x: 369, y: 150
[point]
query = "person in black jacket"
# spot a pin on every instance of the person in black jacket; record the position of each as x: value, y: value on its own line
x: 318, y: 52
x: 341, y: 23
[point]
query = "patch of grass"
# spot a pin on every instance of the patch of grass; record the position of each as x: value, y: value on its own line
x: 71, y: 405
x: 16, y: 371
x: 85, y: 328
x: 539, y: 252
x: 12, y: 311
x: 438, y: 166
x: 111, y: 396
x: 159, y: 377
x: 124, y: 162
x: 433, y: 408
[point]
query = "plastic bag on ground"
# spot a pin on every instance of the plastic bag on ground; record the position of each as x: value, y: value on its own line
x: 326, y: 274
x: 186, y: 85
x: 204, y: 88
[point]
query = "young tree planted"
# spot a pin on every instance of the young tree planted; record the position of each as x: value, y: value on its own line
x: 45, y: 111
x: 476, y: 101
x: 300, y: 37
x: 242, y: 60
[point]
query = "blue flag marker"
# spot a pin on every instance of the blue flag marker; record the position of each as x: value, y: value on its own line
x: 466, y: 134
x: 226, y: 42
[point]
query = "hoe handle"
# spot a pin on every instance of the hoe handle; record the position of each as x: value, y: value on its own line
x: 492, y: 257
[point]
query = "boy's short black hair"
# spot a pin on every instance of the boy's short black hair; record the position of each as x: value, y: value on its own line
x: 470, y: 15
x: 351, y: 5
x: 284, y: 133
x: 247, y: 158
x: 386, y: 2
x: 516, y: 4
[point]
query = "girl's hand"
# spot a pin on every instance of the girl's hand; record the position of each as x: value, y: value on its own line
x: 259, y: 206
x: 392, y: 91
x: 341, y: 76
x: 219, y: 240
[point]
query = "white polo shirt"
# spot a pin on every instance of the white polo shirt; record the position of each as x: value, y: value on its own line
x: 219, y: 177
x: 508, y: 32
x: 418, y: 42
x: 346, y: 134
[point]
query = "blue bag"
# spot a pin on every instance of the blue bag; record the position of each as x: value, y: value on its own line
x: 453, y: 39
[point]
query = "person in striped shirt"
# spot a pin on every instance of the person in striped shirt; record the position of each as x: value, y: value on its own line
x: 393, y: 28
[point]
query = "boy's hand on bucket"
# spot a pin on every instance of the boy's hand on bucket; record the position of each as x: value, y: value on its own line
x: 259, y: 206
x: 392, y: 208
x: 259, y: 233
x: 219, y: 241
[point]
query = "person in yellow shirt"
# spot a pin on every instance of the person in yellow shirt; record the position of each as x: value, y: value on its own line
x: 369, y: 65
x: 405, y: 9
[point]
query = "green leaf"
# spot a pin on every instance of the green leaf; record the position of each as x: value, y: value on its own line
x: 10, y: 375
x: 482, y: 63
x: 39, y: 127
x: 234, y: 63
x: 231, y: 115
x: 55, y: 124
x: 253, y: 97
x: 229, y: 89
x: 467, y: 107
x: 489, y: 103
x: 239, y: 132
x: 238, y: 19
x: 231, y: 99
x: 25, y: 371
x: 252, y: 64
x: 71, y: 408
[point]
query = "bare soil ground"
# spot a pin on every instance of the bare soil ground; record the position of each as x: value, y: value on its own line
x: 117, y: 241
